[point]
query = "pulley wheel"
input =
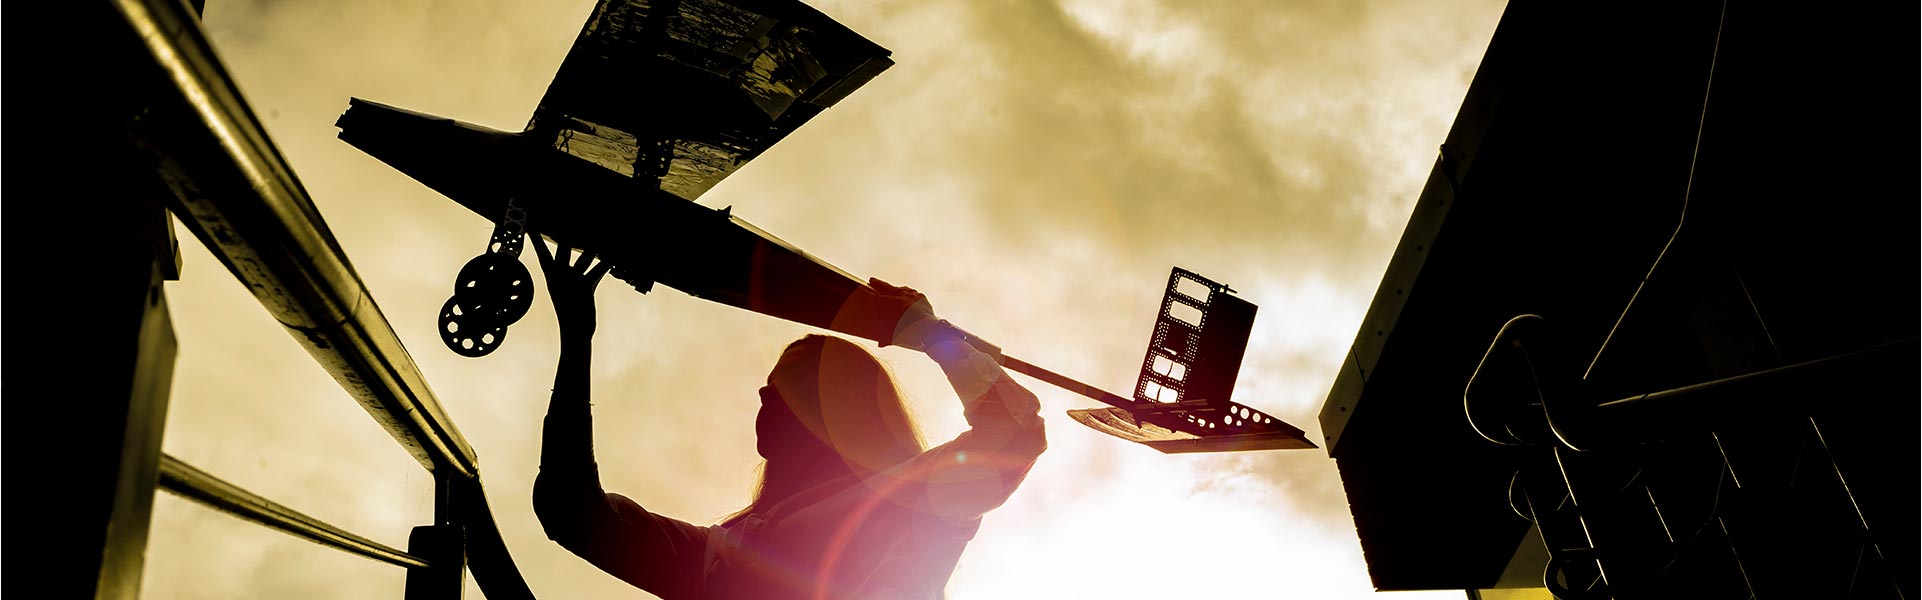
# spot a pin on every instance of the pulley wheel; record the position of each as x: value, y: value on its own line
x: 495, y: 284
x: 469, y: 334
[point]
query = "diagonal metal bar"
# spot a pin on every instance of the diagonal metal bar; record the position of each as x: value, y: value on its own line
x: 1063, y: 382
x: 194, y: 484
x: 1750, y: 391
x: 239, y: 196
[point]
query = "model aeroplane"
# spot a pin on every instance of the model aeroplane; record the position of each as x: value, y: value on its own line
x: 656, y: 103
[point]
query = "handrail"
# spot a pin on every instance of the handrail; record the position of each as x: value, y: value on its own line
x: 236, y: 193
x: 194, y: 484
x: 240, y: 198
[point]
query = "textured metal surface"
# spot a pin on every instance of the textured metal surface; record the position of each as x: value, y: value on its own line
x: 1123, y: 424
x: 1187, y: 358
x: 237, y: 194
x: 744, y: 74
x: 194, y: 484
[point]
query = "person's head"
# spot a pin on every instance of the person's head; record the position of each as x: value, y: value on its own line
x: 829, y: 409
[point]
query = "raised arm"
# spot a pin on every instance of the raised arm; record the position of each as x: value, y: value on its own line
x: 652, y: 552
x: 979, y: 469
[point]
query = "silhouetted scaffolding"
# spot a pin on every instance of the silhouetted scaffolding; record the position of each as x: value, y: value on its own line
x: 176, y: 136
x: 1651, y: 329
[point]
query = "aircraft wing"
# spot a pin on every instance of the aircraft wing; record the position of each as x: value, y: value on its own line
x: 684, y: 92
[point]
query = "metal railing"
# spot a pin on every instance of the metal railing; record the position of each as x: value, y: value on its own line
x: 236, y: 193
x: 194, y: 484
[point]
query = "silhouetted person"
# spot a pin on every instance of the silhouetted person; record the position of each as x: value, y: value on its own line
x: 850, y: 505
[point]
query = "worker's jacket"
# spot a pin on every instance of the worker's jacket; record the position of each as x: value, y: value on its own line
x: 893, y: 535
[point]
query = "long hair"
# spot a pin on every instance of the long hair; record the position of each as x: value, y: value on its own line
x: 847, y: 400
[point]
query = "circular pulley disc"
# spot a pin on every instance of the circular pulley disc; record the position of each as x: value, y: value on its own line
x: 495, y: 284
x: 469, y: 334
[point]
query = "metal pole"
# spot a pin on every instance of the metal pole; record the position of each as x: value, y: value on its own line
x: 125, y: 433
x: 241, y: 199
x: 1063, y: 382
x: 444, y: 544
x: 444, y: 580
x: 194, y: 484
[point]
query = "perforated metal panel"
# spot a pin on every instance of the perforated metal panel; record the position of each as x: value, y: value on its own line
x: 1199, y: 337
x: 1188, y: 375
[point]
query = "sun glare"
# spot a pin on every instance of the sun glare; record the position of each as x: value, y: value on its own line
x: 1155, y: 526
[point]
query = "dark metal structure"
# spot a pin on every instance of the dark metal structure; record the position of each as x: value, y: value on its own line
x: 174, y: 135
x: 654, y: 104
x: 1651, y: 329
x: 612, y: 164
x: 738, y: 76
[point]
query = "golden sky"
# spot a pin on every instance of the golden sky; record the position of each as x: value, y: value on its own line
x: 1034, y: 166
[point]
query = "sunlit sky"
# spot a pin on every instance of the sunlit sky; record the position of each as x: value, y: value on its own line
x: 1035, y: 167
